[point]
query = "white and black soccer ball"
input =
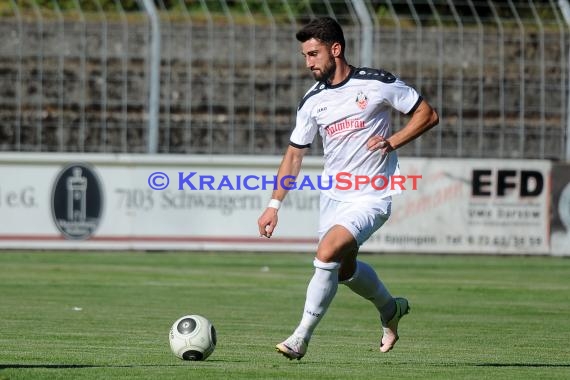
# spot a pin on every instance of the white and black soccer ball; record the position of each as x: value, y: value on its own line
x: 192, y: 337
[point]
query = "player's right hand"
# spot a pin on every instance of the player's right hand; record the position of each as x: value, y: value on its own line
x: 267, y: 222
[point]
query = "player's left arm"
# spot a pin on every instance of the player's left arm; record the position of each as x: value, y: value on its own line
x: 423, y: 119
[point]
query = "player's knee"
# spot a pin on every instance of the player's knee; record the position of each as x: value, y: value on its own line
x: 326, y: 265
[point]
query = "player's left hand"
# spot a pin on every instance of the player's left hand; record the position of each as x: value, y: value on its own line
x: 379, y: 143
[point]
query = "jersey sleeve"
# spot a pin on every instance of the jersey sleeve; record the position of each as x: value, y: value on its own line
x: 305, y: 129
x: 401, y: 96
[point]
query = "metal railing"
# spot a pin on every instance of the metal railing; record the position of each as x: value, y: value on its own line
x: 81, y: 78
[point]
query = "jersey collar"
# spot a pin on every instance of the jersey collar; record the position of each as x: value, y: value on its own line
x: 340, y: 84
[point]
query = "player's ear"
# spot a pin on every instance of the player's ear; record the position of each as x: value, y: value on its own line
x: 336, y: 50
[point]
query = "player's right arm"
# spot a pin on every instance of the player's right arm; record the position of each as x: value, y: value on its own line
x: 301, y: 138
x: 289, y: 168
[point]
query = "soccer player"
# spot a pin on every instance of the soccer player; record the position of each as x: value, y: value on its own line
x: 350, y: 108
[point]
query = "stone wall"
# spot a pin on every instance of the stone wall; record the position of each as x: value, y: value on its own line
x: 80, y: 87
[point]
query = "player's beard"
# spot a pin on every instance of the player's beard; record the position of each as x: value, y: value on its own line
x: 327, y: 72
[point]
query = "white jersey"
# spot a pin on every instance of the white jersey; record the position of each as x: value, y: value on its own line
x: 346, y: 115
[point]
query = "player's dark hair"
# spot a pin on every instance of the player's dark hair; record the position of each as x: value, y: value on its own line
x: 324, y: 29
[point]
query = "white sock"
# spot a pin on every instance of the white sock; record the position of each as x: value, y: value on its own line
x: 320, y: 293
x: 365, y: 283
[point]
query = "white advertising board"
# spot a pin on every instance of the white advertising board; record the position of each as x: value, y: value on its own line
x: 471, y: 206
x: 70, y: 201
x: 106, y: 202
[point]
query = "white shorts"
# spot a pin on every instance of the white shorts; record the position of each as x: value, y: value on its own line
x: 361, y: 218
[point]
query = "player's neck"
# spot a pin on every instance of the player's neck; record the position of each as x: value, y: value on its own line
x: 341, y: 73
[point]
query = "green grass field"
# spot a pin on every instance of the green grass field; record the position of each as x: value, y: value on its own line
x: 107, y: 315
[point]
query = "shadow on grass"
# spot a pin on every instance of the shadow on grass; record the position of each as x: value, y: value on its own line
x: 71, y: 366
x: 65, y: 366
x: 538, y: 365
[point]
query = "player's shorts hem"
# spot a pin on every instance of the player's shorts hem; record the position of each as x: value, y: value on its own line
x: 361, y: 218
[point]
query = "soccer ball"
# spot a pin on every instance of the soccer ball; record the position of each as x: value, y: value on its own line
x: 192, y: 337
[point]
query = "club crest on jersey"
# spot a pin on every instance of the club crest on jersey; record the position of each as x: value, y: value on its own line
x: 361, y: 100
